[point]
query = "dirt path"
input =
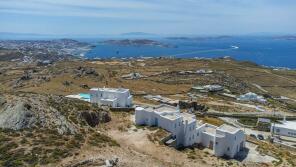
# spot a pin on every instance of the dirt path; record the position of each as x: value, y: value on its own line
x: 137, y: 140
x: 289, y: 79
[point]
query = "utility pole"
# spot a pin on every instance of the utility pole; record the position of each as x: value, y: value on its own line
x: 272, y: 132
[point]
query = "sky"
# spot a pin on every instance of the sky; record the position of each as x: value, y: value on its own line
x: 198, y: 17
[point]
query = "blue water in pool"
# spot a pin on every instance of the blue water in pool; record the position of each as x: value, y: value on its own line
x: 266, y: 51
x: 84, y: 95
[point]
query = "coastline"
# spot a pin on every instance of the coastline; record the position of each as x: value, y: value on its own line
x: 270, y: 53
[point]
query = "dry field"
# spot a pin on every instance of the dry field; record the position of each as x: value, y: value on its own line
x: 163, y: 78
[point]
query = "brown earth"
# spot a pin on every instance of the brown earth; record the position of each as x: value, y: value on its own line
x: 163, y: 79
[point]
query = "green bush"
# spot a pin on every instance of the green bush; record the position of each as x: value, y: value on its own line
x: 248, y: 121
x: 101, y: 140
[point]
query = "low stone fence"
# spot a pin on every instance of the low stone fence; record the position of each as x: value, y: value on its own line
x: 243, y: 125
x: 122, y: 109
x: 288, y: 147
x: 248, y: 116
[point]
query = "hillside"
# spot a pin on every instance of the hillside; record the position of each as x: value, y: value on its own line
x: 40, y: 126
x: 40, y: 129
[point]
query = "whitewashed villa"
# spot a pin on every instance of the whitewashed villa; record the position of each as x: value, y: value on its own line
x: 116, y: 98
x: 186, y: 130
x: 284, y: 128
x: 252, y: 97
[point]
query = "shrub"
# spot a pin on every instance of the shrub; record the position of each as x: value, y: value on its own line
x: 98, y: 139
x: 248, y: 121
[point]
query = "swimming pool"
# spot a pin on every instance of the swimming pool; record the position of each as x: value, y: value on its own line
x: 84, y: 95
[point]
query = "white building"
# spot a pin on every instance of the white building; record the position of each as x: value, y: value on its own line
x: 223, y: 140
x: 213, y: 88
x: 252, y: 97
x: 111, y: 97
x: 285, y: 128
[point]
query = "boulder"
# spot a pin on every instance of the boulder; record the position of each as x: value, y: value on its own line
x: 112, y: 162
x: 17, y: 117
x: 84, y: 86
x: 93, y: 118
x: 26, y: 76
x: 85, y: 71
x: 67, y: 83
x: 2, y: 101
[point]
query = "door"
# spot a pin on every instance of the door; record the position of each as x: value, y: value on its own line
x: 211, y: 145
x: 156, y: 122
x: 242, y: 145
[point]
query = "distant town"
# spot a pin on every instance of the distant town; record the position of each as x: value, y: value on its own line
x: 42, y: 50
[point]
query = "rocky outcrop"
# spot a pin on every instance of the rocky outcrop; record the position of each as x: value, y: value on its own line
x: 26, y: 76
x: 31, y: 110
x: 94, y: 118
x: 84, y: 86
x: 193, y: 105
x: 30, y: 76
x: 17, y: 117
x: 66, y: 116
x: 62, y: 125
x: 85, y: 71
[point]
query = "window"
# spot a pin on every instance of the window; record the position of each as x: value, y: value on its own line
x: 216, y: 143
x: 197, y: 134
x: 175, y: 126
x: 234, y: 137
x: 277, y: 130
x: 228, y: 149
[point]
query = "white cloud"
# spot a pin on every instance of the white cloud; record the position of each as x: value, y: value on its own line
x: 184, y: 15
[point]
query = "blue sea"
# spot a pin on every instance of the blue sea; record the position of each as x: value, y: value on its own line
x: 267, y: 51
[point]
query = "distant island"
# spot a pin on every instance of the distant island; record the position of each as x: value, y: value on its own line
x: 286, y: 37
x: 199, y: 38
x: 137, y: 42
x: 138, y: 34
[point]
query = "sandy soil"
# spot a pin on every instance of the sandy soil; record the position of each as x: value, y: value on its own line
x: 138, y: 141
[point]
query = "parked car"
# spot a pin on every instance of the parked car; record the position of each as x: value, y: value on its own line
x: 260, y: 137
x: 253, y: 136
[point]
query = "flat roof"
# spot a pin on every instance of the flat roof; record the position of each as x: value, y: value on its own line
x: 111, y: 89
x: 228, y: 128
x: 166, y: 108
x: 199, y: 123
x: 188, y: 117
x: 287, y: 124
x: 210, y: 130
x: 171, y: 116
